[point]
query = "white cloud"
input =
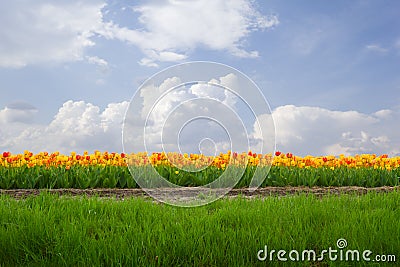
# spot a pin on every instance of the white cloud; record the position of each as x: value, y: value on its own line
x: 166, y: 56
x: 318, y: 131
x: 76, y: 117
x: 171, y: 29
x: 199, y: 111
x: 100, y: 62
x: 383, y: 114
x: 43, y: 31
x: 18, y: 112
x: 376, y: 48
x: 77, y: 126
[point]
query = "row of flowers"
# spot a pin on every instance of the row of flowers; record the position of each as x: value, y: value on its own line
x: 222, y: 160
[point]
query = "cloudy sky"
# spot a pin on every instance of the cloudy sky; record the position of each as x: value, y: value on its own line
x: 329, y: 69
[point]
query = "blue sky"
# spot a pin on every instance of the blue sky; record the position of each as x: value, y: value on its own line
x: 329, y: 69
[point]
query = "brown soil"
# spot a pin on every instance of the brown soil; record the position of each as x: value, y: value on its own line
x: 260, y: 192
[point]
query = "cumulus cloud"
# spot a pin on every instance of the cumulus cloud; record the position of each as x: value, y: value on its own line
x: 79, y: 126
x: 171, y: 29
x: 177, y: 116
x: 43, y: 31
x: 319, y: 131
x: 76, y: 126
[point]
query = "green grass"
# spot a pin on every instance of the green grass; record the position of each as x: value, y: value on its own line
x: 48, y: 230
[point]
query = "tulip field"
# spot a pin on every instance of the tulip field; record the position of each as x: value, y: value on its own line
x: 109, y: 170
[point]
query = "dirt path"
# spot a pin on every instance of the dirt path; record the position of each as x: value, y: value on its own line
x: 260, y: 192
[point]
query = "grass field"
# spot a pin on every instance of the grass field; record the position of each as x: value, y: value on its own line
x: 48, y: 230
